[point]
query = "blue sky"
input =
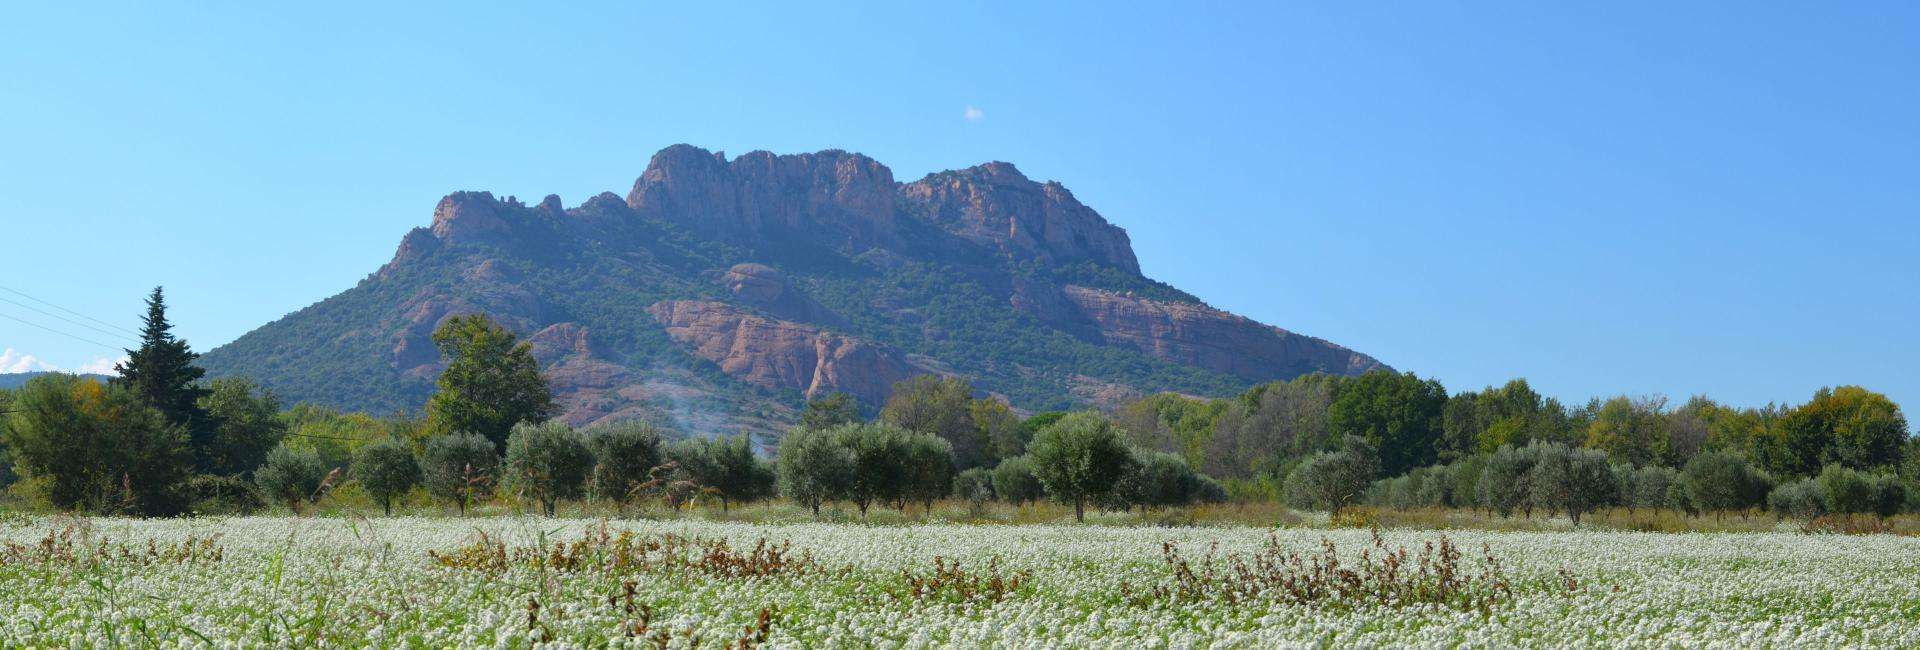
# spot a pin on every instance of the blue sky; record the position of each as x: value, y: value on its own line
x: 1646, y: 198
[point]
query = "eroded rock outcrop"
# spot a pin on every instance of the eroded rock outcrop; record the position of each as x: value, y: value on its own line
x: 781, y: 354
x: 759, y: 194
x: 996, y: 206
x: 1197, y: 335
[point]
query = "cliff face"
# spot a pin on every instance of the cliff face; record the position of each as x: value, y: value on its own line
x: 719, y: 289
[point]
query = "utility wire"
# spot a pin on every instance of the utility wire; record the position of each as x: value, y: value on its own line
x: 71, y: 336
x: 43, y: 302
x: 44, y: 312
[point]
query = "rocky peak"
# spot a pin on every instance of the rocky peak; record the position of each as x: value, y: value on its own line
x: 997, y: 206
x: 470, y: 216
x: 759, y: 193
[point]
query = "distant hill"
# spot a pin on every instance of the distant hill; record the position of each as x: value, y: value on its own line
x: 18, y: 379
x: 719, y: 293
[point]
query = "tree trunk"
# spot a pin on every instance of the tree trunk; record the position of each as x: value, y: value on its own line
x: 386, y: 505
x: 816, y: 510
x: 1080, y: 509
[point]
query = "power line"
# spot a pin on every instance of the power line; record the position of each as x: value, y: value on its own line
x: 44, y: 312
x: 43, y: 302
x: 76, y: 338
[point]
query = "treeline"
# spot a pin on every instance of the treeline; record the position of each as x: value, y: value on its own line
x: 156, y: 441
x: 1397, y: 440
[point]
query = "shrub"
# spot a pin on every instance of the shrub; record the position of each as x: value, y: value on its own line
x: 624, y: 457
x: 929, y: 466
x: 548, y: 462
x: 974, y: 485
x: 1208, y: 490
x: 813, y: 468
x: 1155, y: 480
x: 213, y: 493
x: 96, y: 447
x: 1652, y: 486
x: 386, y: 469
x: 1014, y: 482
x: 1504, y: 484
x: 1717, y: 482
x: 1573, y: 481
x: 459, y: 468
x: 291, y: 476
x: 1845, y: 490
x: 1800, y: 500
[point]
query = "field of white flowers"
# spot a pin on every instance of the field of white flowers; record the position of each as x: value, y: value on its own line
x: 429, y: 583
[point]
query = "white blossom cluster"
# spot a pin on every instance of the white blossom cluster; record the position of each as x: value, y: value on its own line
x: 357, y: 582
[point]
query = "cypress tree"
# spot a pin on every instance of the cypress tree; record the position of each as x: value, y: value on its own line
x: 162, y: 373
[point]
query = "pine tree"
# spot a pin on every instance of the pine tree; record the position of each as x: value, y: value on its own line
x: 162, y: 373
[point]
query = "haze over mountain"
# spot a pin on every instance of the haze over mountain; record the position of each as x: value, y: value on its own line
x: 720, y: 293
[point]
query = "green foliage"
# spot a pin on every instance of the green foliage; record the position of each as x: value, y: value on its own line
x: 245, y: 424
x: 548, y: 462
x: 208, y: 494
x: 1399, y: 414
x: 974, y: 485
x: 1719, y: 482
x: 813, y: 468
x: 459, y: 468
x: 1171, y: 423
x: 1014, y: 481
x: 725, y: 465
x: 1651, y: 487
x: 162, y: 373
x: 940, y: 407
x: 1510, y: 415
x: 1630, y: 430
x: 291, y: 476
x: 1848, y: 426
x: 829, y: 411
x: 625, y: 455
x: 386, y: 469
x: 1270, y: 426
x: 98, y: 448
x: 1506, y: 480
x: 1847, y: 491
x: 1156, y: 480
x: 1802, y: 499
x: 929, y: 467
x: 1572, y: 481
x: 1078, y: 458
x: 1334, y: 479
x: 880, y: 470
x: 491, y: 383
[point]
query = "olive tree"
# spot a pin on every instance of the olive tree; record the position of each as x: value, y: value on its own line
x: 459, y: 467
x: 813, y: 467
x: 624, y: 457
x: 1332, y: 480
x: 1014, y: 482
x: 1573, y: 481
x: 386, y: 469
x: 291, y: 476
x: 1077, y: 458
x: 548, y: 462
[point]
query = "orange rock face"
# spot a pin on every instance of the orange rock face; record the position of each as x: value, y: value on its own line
x: 780, y: 354
x: 1202, y: 336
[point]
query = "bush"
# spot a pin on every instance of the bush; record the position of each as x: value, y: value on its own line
x: 1717, y: 482
x: 726, y: 466
x: 974, y: 485
x: 1078, y: 458
x: 1845, y: 490
x: 386, y: 469
x: 1652, y: 487
x: 459, y: 468
x: 1014, y: 482
x: 548, y: 462
x: 624, y: 457
x: 1573, y: 481
x: 1155, y: 480
x: 813, y: 468
x: 216, y: 494
x: 929, y: 465
x: 291, y: 476
x: 1505, y: 481
x: 1800, y: 500
x: 1208, y: 490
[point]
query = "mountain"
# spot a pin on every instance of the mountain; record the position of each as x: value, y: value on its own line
x: 13, y: 380
x: 720, y: 293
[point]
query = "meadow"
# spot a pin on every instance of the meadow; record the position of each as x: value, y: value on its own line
x: 515, y: 581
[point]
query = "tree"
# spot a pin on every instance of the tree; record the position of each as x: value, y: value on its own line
x: 492, y: 382
x: 1849, y: 426
x: 1172, y: 423
x: 1513, y: 414
x: 1078, y: 458
x: 624, y: 457
x: 548, y: 462
x: 829, y: 411
x: 726, y: 465
x: 1506, y: 481
x: 98, y: 448
x: 1014, y: 482
x: 386, y: 469
x: 974, y: 485
x: 1157, y: 480
x: 1399, y: 414
x: 1651, y: 487
x: 291, y: 476
x: 459, y: 467
x: 1717, y: 482
x: 1845, y: 490
x: 1333, y: 480
x: 879, y: 467
x: 941, y: 407
x: 1270, y: 424
x: 1630, y: 430
x: 813, y: 468
x: 161, y: 372
x: 1573, y: 481
x: 1006, y: 435
x: 244, y: 424
x: 1800, y: 499
x: 930, y: 470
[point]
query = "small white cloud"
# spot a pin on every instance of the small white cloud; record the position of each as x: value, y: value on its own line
x: 101, y: 366
x: 12, y: 362
x: 974, y: 114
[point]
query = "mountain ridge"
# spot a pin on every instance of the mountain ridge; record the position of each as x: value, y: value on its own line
x: 721, y: 292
